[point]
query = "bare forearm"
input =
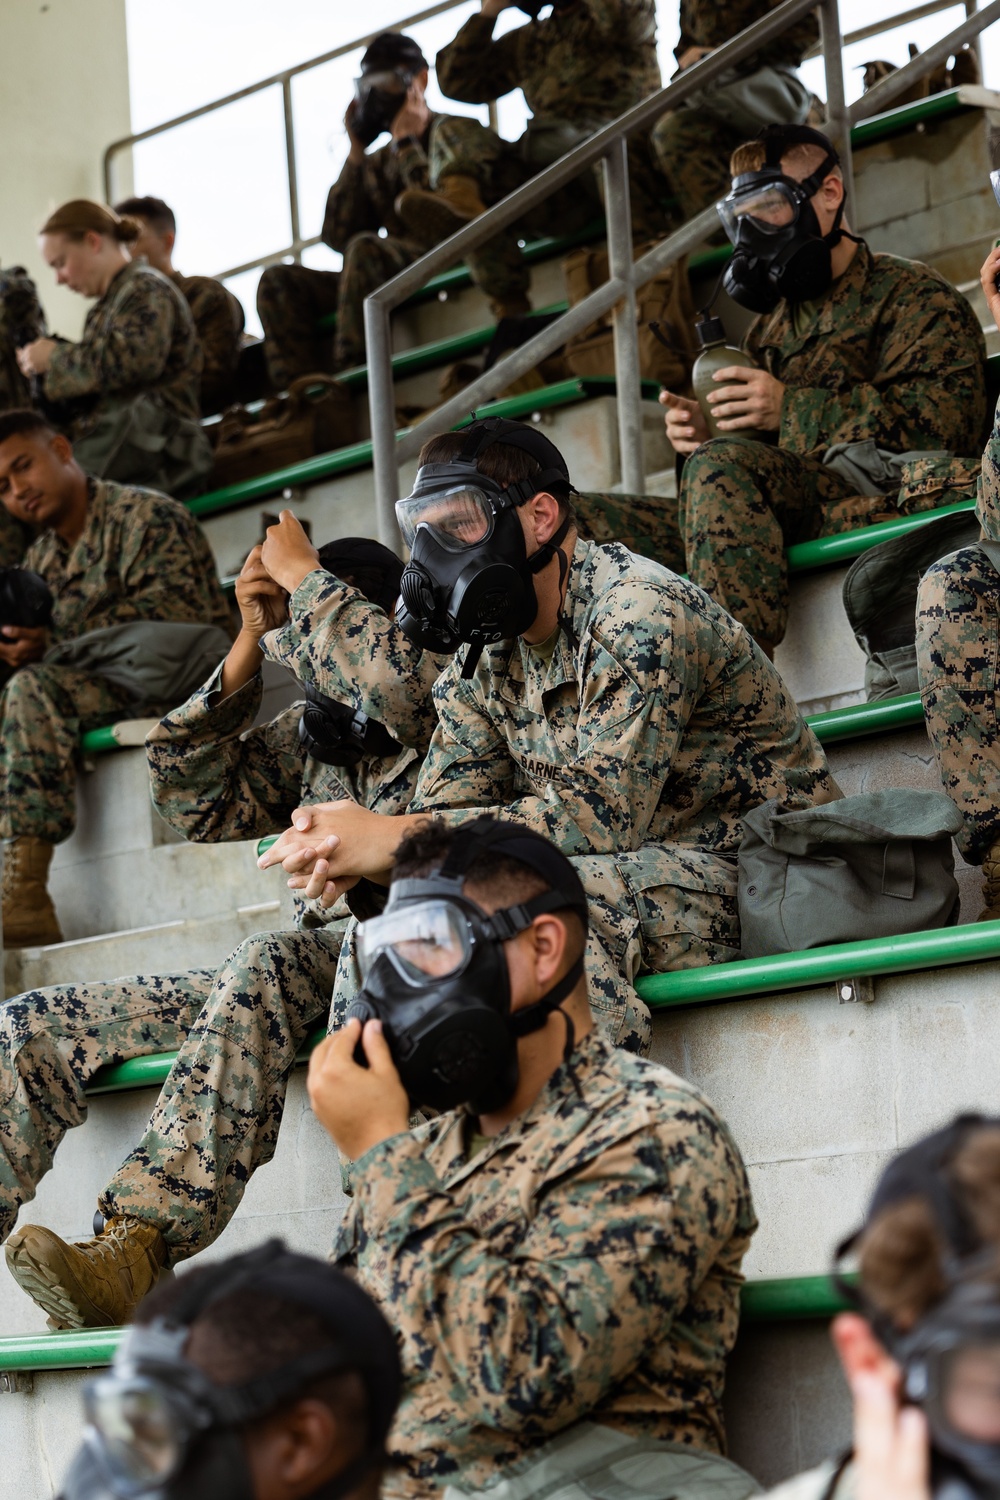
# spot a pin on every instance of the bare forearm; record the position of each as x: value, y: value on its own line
x: 241, y: 665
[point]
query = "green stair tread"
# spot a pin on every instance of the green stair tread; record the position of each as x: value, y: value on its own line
x: 859, y: 720
x: 828, y: 551
x: 777, y: 1299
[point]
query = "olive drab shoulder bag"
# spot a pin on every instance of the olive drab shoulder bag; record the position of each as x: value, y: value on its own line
x: 876, y: 865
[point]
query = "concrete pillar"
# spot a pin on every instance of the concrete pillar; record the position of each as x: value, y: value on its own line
x: 64, y: 98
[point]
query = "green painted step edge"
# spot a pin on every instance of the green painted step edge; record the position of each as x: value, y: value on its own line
x: 151, y: 1071
x: 827, y: 551
x: 859, y: 720
x: 940, y: 948
x: 904, y: 116
x: 782, y: 1299
x: 97, y: 741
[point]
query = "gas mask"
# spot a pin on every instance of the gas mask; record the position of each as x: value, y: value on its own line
x: 434, y: 971
x: 469, y: 578
x: 379, y: 96
x: 25, y: 598
x: 158, y: 1429
x: 338, y: 735
x: 778, y: 248
x: 951, y: 1358
x: 532, y: 7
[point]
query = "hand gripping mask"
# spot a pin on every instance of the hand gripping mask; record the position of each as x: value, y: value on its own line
x: 339, y: 734
x: 951, y: 1357
x: 778, y: 249
x: 469, y: 578
x: 387, y: 69
x: 435, y: 972
x: 159, y: 1429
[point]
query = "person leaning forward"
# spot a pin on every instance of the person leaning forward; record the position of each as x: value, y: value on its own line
x: 127, y: 393
x: 579, y: 68
x: 112, y: 555
x: 622, y: 714
x: 215, y: 776
x: 362, y: 202
x: 871, y: 381
x: 560, y: 1253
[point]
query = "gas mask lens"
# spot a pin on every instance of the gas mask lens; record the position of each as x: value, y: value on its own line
x: 770, y: 206
x: 138, y: 1432
x: 460, y: 517
x: 431, y: 940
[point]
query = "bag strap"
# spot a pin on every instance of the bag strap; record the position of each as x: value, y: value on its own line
x: 899, y: 870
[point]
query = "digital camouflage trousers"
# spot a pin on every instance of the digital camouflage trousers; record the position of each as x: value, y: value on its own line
x: 958, y: 659
x: 646, y: 524
x: 217, y: 1117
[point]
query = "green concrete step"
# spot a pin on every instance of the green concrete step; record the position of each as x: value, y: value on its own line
x: 782, y: 1299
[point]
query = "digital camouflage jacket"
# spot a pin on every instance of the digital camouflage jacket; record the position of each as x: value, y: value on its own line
x: 218, y: 320
x: 584, y: 1265
x: 349, y: 649
x: 657, y: 720
x: 141, y: 556
x: 706, y: 23
x: 894, y: 354
x: 364, y: 196
x: 139, y: 337
x: 583, y: 65
x: 216, y: 777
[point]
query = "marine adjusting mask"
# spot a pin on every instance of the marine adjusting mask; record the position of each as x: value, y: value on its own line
x: 469, y: 578
x: 951, y: 1358
x: 434, y: 971
x: 778, y: 247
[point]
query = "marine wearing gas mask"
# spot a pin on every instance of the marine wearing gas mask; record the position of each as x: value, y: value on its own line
x: 469, y: 578
x: 159, y: 1427
x: 380, y: 91
x: 435, y: 972
x: 779, y: 249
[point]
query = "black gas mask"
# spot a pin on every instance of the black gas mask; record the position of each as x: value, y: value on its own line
x: 532, y: 7
x: 469, y: 578
x: 435, y: 973
x: 778, y: 248
x: 951, y: 1358
x: 337, y: 734
x: 387, y: 69
x: 159, y: 1429
x: 25, y: 598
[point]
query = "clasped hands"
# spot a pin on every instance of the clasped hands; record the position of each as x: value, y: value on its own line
x: 745, y: 398
x: 332, y: 845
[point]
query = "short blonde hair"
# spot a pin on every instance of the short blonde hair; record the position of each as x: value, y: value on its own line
x: 803, y: 157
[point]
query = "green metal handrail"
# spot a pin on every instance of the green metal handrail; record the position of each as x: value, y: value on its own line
x: 845, y: 546
x: 858, y: 720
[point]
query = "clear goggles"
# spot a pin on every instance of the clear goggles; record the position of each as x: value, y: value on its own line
x: 387, y: 81
x: 772, y: 205
x: 141, y: 1430
x: 460, y: 517
x: 425, y: 940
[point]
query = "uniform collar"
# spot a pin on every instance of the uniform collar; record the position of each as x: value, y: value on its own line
x: 526, y: 675
x: 777, y: 331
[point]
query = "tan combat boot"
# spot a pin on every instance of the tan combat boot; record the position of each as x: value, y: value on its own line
x: 95, y: 1284
x: 432, y: 216
x: 29, y: 918
x: 991, y: 886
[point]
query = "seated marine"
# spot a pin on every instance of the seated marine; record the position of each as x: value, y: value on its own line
x: 559, y: 1250
x: 868, y: 395
x: 123, y: 566
x: 215, y: 776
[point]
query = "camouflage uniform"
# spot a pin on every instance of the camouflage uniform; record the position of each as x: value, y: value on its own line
x: 893, y: 355
x: 22, y: 320
x: 214, y: 778
x: 583, y: 1266
x: 218, y: 320
x: 131, y: 386
x: 578, y: 69
x: 958, y: 658
x: 292, y: 299
x: 692, y: 145
x: 645, y: 524
x: 637, y: 749
x: 140, y: 557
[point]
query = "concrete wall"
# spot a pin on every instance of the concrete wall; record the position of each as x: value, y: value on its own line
x: 64, y: 98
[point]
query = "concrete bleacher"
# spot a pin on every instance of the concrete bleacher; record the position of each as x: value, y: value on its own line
x: 854, y: 1077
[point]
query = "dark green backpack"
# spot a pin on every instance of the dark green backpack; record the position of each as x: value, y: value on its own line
x: 880, y: 597
x: 875, y: 865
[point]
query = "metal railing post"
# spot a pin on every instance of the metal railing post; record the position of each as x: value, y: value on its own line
x: 628, y: 381
x: 293, y: 176
x: 382, y: 408
x: 977, y: 45
x: 838, y: 121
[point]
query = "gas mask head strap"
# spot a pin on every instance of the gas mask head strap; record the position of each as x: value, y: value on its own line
x: 777, y: 141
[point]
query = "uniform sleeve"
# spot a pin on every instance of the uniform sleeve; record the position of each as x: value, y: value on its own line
x: 349, y: 649
x: 928, y: 393
x: 603, y: 800
x: 988, y: 507
x: 534, y: 1341
x: 166, y: 568
x: 475, y: 67
x: 130, y: 350
x: 350, y: 207
x: 213, y: 777
x: 218, y: 317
